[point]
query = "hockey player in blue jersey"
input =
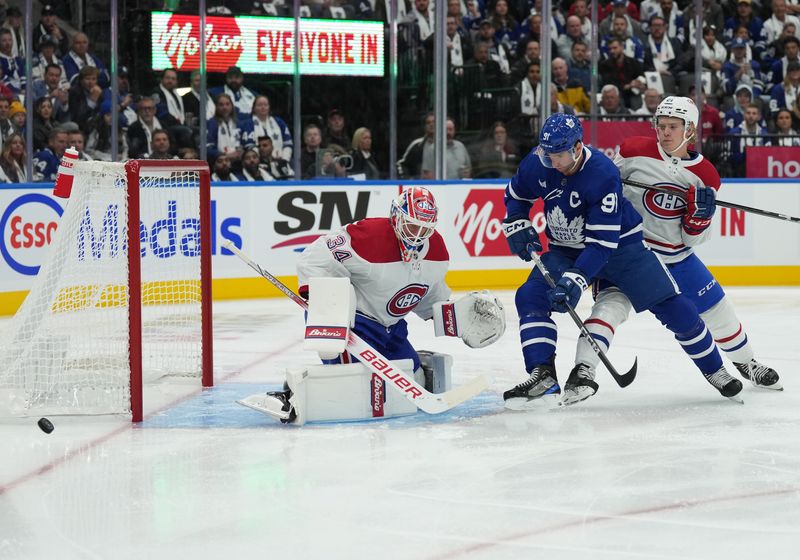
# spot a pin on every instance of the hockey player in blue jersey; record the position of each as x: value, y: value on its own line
x: 593, y: 233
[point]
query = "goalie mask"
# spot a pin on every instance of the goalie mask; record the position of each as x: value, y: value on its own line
x: 413, y: 217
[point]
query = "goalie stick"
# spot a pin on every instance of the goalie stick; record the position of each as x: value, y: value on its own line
x: 622, y: 380
x: 732, y: 205
x: 432, y: 403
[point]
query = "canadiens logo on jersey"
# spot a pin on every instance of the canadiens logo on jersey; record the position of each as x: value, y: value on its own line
x: 663, y: 205
x: 563, y: 229
x: 406, y: 299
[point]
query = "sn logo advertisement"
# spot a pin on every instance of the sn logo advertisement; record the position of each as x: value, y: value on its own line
x: 29, y: 222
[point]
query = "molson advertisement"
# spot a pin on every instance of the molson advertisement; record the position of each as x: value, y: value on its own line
x: 266, y: 45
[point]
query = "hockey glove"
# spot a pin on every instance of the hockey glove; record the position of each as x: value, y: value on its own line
x: 700, y: 207
x: 568, y: 290
x: 521, y: 237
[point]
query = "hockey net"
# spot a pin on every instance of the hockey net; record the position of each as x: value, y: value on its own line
x: 109, y: 312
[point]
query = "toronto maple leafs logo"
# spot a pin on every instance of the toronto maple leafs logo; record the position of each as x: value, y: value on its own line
x: 564, y: 230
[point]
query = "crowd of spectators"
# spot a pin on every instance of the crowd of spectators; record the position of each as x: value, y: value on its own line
x: 750, y: 54
x: 72, y: 105
x: 750, y: 51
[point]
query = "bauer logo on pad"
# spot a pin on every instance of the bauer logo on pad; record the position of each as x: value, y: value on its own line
x: 326, y: 332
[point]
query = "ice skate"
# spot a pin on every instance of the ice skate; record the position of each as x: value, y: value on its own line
x: 275, y: 404
x: 727, y: 385
x: 579, y: 386
x: 528, y: 394
x: 760, y: 375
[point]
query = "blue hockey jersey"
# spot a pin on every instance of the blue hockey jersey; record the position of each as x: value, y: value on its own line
x: 585, y: 212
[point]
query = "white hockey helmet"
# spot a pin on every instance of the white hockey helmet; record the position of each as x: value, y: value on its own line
x: 679, y: 107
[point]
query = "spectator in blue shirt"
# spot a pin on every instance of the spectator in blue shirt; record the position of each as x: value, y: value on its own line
x: 791, y: 53
x: 784, y: 95
x: 744, y: 18
x: 45, y: 162
x: 79, y: 57
x: 12, y: 68
x: 234, y: 88
x: 749, y: 133
x: 740, y: 69
x: 226, y: 133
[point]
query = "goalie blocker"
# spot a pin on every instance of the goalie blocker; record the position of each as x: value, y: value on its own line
x: 347, y: 392
x: 331, y: 315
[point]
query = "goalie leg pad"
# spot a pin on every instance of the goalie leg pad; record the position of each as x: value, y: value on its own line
x: 346, y: 392
x: 331, y: 313
x: 437, y: 370
x: 478, y: 318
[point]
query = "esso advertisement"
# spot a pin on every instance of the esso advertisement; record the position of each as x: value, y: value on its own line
x: 31, y: 219
x: 28, y: 223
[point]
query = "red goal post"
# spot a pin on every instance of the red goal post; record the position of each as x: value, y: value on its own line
x: 123, y: 297
x: 134, y: 169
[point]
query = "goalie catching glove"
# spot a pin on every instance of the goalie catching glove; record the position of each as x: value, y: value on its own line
x: 478, y: 319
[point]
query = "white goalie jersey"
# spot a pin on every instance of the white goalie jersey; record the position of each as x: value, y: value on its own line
x: 368, y: 253
x: 641, y: 159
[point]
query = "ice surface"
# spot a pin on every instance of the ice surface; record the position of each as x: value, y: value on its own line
x: 665, y: 468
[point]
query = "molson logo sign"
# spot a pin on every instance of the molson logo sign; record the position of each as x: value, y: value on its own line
x: 479, y: 223
x: 180, y: 41
x: 266, y: 45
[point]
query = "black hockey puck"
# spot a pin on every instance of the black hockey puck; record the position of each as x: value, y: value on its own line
x: 46, y: 425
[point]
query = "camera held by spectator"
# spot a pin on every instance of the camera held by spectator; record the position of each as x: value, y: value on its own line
x: 334, y: 161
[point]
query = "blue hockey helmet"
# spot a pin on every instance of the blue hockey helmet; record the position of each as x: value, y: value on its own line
x: 559, y: 134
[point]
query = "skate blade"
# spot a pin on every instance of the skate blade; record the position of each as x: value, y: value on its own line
x: 574, y: 398
x: 774, y: 387
x: 737, y: 399
x: 256, y: 402
x: 540, y: 403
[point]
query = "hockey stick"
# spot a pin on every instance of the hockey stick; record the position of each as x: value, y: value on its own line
x: 622, y: 380
x: 732, y: 205
x: 377, y: 363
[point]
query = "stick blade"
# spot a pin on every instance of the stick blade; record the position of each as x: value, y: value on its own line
x: 627, y: 378
x: 442, y: 402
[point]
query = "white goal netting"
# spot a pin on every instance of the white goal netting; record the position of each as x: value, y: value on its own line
x: 68, y: 348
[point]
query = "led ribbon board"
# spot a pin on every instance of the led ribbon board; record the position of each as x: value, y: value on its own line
x: 265, y: 45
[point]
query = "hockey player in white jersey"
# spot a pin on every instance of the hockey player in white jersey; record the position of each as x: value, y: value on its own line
x: 367, y: 277
x: 672, y: 228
